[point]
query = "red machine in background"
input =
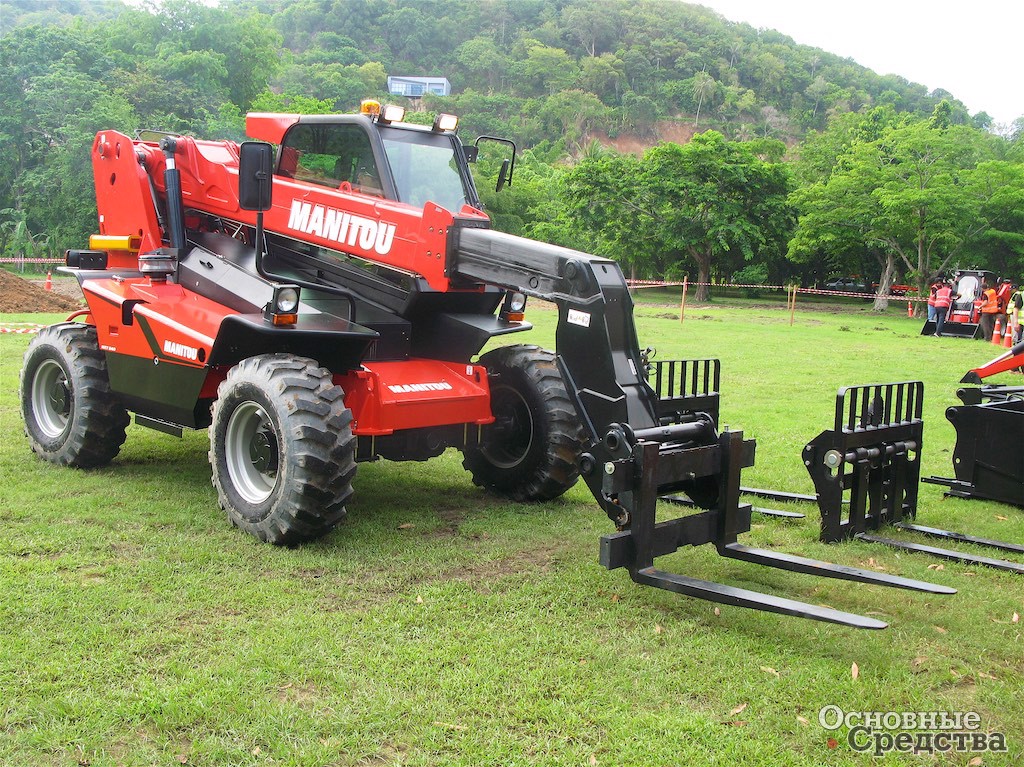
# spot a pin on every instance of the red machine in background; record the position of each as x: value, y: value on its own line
x: 963, y: 320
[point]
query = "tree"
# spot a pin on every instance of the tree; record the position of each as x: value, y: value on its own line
x: 703, y: 86
x: 714, y: 202
x: 817, y: 90
x: 709, y: 203
x: 576, y: 114
x: 922, y: 214
x: 483, y: 62
x: 549, y: 70
x: 600, y: 195
x: 998, y: 188
x: 898, y: 197
x: 603, y: 76
x: 54, y: 102
x: 593, y: 23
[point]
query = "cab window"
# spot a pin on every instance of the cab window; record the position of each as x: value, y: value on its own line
x: 336, y: 156
x: 425, y: 169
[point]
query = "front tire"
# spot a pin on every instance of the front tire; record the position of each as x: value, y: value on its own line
x: 71, y: 416
x: 282, y: 449
x: 531, y: 451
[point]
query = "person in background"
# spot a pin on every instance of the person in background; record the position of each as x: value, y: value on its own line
x: 944, y: 297
x: 989, y: 310
x: 1003, y: 293
x: 931, y: 300
x: 1015, y: 306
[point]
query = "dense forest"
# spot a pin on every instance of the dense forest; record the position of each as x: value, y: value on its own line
x: 738, y: 153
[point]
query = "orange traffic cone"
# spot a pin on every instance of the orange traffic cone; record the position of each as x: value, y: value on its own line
x: 48, y: 285
x: 910, y: 309
x: 1008, y: 336
x: 997, y: 334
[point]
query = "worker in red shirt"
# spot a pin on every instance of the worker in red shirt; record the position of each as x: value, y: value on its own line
x: 937, y: 282
x: 989, y: 310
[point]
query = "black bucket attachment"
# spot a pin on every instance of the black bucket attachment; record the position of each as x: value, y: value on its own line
x: 871, y: 461
x: 988, y: 459
x: 687, y: 455
x: 953, y: 329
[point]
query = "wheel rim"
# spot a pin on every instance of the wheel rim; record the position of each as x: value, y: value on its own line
x: 52, y: 399
x: 511, y: 436
x: 252, y: 454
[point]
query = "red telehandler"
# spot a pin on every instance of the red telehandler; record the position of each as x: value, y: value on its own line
x: 319, y: 297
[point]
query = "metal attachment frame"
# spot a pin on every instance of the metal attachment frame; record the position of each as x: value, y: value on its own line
x: 658, y: 458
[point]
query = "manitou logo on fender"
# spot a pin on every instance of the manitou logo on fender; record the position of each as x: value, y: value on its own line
x: 341, y: 227
x: 404, y: 388
x: 180, y: 350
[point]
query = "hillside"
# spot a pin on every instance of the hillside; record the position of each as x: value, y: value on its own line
x: 546, y: 70
x: 538, y: 69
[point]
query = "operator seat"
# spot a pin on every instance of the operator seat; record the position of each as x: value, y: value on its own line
x: 289, y: 162
x: 360, y: 171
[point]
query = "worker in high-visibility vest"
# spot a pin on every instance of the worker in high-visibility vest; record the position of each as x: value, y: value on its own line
x: 1015, y: 306
x: 989, y: 310
x: 944, y: 297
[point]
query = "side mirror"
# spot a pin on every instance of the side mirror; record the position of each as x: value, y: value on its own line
x: 255, y: 169
x: 508, y: 166
x: 502, y: 176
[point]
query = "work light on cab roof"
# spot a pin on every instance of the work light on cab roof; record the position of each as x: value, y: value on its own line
x: 446, y: 122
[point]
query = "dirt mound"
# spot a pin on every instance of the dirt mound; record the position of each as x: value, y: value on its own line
x: 676, y: 131
x: 21, y: 296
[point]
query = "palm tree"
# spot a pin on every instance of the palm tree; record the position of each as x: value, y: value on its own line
x: 703, y: 85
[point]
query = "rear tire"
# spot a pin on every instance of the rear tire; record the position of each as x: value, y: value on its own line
x: 531, y: 451
x: 71, y: 416
x: 281, y: 448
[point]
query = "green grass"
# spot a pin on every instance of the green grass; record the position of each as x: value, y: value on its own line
x: 139, y: 628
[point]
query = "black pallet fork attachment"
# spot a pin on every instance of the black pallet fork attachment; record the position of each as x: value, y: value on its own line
x: 692, y: 386
x: 647, y: 467
x: 873, y: 455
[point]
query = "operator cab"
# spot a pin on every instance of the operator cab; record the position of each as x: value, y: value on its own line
x: 372, y: 155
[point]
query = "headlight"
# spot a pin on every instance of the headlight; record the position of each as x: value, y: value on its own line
x: 517, y: 302
x: 287, y: 300
x: 283, y: 308
x: 514, y: 308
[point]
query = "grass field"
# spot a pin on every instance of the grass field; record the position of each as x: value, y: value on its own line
x: 440, y: 626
